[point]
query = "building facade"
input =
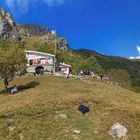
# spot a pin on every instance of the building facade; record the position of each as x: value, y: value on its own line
x: 64, y: 68
x: 39, y: 62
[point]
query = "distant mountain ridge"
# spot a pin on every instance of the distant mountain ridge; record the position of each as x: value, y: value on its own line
x: 114, y: 62
x: 34, y: 29
x: 87, y: 52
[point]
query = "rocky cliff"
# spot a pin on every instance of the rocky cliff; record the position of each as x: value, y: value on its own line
x: 34, y: 29
x: 10, y: 30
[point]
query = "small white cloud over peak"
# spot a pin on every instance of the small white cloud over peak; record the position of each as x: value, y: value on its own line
x: 137, y: 57
x: 138, y: 49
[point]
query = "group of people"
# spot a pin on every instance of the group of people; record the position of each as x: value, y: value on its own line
x: 83, y: 72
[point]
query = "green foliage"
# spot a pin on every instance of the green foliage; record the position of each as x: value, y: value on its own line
x: 91, y: 64
x: 12, y: 60
x: 74, y: 60
x: 43, y: 47
x: 112, y: 62
x: 77, y: 61
x: 49, y: 48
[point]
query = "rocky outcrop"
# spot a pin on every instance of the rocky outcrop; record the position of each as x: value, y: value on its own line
x: 10, y: 30
x: 61, y: 42
x: 34, y: 29
x: 7, y: 24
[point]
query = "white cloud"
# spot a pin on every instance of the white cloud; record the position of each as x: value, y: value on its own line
x: 138, y: 49
x: 10, y: 3
x: 23, y: 5
x: 54, y: 2
x: 18, y: 5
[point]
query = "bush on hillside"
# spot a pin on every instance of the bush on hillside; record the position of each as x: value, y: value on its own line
x: 92, y: 65
x: 12, y: 60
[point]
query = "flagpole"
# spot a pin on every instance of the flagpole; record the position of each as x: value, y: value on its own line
x: 53, y: 32
x: 55, y: 56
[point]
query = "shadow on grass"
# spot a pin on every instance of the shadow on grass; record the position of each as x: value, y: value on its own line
x: 32, y: 84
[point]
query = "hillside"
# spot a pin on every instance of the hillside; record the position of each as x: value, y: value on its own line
x: 112, y: 62
x: 11, y: 30
x: 34, y: 112
x: 39, y: 38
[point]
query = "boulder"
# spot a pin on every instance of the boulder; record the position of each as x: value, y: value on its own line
x: 118, y: 130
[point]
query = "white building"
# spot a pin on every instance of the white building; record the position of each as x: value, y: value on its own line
x: 39, y: 62
x: 65, y: 68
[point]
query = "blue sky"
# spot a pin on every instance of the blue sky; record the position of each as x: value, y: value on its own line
x: 110, y: 27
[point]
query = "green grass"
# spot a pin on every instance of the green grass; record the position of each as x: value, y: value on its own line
x: 34, y: 111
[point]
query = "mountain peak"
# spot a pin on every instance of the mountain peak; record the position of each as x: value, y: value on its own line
x: 7, y: 25
x: 10, y: 30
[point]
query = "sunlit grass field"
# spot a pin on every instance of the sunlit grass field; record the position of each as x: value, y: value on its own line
x: 34, y: 112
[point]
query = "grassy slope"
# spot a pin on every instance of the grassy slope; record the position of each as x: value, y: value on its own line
x: 35, y: 111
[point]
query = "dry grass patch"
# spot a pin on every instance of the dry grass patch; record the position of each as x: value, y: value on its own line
x: 35, y: 110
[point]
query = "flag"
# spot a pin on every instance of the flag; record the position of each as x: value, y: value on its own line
x: 50, y: 33
x: 53, y: 32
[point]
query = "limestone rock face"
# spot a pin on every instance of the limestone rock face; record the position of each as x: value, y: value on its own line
x: 8, y: 28
x: 34, y: 29
x: 6, y: 23
x: 61, y: 42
